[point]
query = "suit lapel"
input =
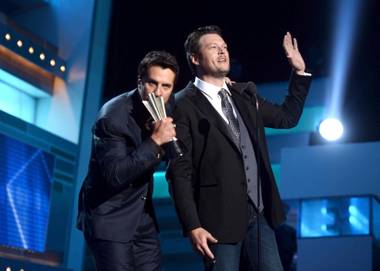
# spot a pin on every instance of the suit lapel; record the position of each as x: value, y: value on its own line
x: 201, y: 102
x: 247, y: 112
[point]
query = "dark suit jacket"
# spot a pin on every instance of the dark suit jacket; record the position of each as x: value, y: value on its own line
x: 209, y: 184
x: 119, y: 182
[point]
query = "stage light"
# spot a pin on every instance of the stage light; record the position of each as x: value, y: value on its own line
x: 331, y: 129
x: 62, y: 68
x: 37, y: 51
x: 346, y: 24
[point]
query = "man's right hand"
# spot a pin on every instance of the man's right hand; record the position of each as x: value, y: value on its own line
x: 163, y: 131
x: 200, y: 239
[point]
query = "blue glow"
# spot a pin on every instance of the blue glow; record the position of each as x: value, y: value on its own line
x: 335, y: 217
x: 324, y: 210
x: 25, y: 181
x: 355, y: 222
x: 18, y: 98
x: 345, y: 29
x: 353, y: 210
x: 357, y: 217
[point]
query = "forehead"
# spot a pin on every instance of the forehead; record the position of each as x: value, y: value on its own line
x: 211, y: 38
x: 160, y: 74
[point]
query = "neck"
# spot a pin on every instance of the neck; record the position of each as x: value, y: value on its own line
x: 212, y: 80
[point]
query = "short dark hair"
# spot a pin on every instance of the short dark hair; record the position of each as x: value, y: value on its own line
x: 158, y: 58
x: 192, y: 41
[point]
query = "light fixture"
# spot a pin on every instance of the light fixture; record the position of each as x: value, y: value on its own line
x: 37, y: 51
x: 331, y: 129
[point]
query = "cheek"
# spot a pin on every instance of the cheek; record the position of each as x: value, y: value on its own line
x: 167, y: 96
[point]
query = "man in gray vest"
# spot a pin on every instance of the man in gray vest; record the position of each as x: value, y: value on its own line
x: 224, y: 184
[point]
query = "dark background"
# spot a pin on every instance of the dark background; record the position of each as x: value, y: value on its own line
x: 253, y: 32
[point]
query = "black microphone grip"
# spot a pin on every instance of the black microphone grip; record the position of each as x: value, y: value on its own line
x: 176, y: 147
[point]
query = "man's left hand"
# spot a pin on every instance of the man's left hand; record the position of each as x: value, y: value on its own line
x: 292, y: 53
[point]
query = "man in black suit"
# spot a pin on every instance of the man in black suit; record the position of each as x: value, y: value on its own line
x: 115, y: 203
x: 223, y: 186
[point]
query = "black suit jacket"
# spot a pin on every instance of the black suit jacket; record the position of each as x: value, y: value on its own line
x: 208, y: 183
x: 119, y: 182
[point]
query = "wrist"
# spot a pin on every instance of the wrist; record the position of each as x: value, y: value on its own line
x: 156, y: 140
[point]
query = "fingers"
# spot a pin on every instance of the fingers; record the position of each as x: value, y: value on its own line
x: 163, y: 131
x: 295, y: 44
x: 287, y: 44
x: 200, y: 239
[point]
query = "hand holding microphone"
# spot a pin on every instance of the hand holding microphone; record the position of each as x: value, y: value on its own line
x: 164, y: 128
x: 163, y: 131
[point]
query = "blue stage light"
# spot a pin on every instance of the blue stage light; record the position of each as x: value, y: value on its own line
x: 346, y: 25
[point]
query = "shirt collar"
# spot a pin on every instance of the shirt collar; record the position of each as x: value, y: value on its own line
x: 209, y: 89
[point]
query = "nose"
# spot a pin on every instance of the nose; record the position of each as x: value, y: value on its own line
x: 158, y: 91
x: 221, y: 50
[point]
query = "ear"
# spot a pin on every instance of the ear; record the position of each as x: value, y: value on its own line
x: 194, y: 59
x: 139, y: 83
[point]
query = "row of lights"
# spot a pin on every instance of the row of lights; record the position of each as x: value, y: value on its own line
x: 10, y: 269
x: 42, y: 56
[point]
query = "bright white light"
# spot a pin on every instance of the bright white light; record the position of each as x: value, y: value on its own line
x: 331, y: 129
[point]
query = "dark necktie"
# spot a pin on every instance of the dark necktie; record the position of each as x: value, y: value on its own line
x: 229, y: 113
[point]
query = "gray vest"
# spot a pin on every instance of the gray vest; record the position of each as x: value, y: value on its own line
x: 250, y: 163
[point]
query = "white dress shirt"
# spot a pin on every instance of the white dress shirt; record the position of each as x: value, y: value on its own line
x: 211, y: 91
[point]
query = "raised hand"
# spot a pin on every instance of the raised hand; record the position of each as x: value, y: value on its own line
x: 292, y: 53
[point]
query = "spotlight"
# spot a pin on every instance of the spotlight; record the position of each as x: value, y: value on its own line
x: 7, y: 36
x: 42, y: 56
x: 331, y: 129
x: 52, y: 62
x: 31, y: 50
x: 62, y: 68
x: 19, y: 43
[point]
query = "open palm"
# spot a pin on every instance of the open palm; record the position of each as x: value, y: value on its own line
x: 292, y: 53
